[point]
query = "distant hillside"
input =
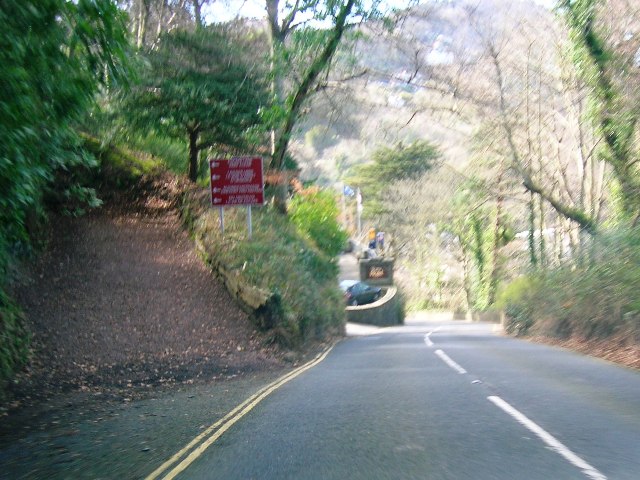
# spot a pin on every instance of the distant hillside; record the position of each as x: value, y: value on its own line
x: 392, y: 101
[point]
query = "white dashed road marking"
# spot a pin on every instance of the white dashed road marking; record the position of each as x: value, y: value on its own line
x: 550, y: 440
x: 446, y: 359
x: 427, y: 337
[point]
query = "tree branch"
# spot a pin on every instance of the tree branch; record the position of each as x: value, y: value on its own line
x: 585, y: 222
x: 306, y: 85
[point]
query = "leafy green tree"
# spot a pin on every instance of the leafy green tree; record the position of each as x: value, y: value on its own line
x: 391, y: 165
x: 55, y: 56
x: 315, y: 213
x: 301, y: 57
x: 198, y: 88
x: 317, y: 64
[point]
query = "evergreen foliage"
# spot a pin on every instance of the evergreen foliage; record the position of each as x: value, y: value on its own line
x: 197, y: 88
x: 391, y: 165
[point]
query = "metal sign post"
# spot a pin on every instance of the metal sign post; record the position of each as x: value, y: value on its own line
x: 249, y: 226
x: 235, y: 182
x: 359, y: 212
x: 343, y: 204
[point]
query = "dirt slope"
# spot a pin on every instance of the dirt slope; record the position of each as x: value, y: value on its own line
x: 120, y: 304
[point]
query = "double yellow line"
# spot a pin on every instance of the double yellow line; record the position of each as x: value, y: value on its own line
x: 196, y: 447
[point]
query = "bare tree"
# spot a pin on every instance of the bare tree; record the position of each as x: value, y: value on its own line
x: 607, y: 45
x: 531, y: 143
x: 537, y: 116
x: 150, y: 18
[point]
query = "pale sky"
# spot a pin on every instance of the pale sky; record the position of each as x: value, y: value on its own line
x: 225, y: 10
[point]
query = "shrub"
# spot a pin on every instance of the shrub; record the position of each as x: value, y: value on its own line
x: 518, y: 302
x: 315, y: 213
x: 14, y: 340
x: 401, y: 305
x: 597, y: 299
x: 278, y: 259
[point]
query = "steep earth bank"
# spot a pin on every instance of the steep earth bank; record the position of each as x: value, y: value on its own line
x: 121, y: 306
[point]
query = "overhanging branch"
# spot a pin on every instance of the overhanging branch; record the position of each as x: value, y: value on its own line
x: 585, y: 222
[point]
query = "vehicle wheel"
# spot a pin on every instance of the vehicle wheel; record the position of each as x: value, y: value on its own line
x: 353, y: 303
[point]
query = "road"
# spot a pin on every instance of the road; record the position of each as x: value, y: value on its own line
x: 435, y: 400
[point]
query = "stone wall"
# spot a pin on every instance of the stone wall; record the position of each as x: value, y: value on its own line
x: 384, y: 312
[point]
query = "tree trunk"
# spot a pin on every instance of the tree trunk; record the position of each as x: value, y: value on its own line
x: 278, y: 35
x: 302, y: 93
x: 543, y: 243
x: 197, y: 10
x: 466, y: 280
x: 585, y: 221
x: 163, y: 6
x: 143, y: 18
x: 495, y: 267
x: 193, y: 154
x: 533, y: 257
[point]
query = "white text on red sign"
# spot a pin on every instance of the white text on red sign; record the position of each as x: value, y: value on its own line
x: 237, y: 181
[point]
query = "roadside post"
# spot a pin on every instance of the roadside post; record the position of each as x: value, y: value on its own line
x: 236, y: 182
x: 359, y: 212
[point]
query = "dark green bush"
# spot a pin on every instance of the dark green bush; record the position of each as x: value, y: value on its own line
x: 55, y: 56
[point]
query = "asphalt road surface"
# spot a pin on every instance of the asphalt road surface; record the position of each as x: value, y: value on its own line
x: 433, y: 400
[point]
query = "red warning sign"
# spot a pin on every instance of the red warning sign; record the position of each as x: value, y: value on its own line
x: 238, y: 181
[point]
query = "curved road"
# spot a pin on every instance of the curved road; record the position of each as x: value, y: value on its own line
x: 437, y: 400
